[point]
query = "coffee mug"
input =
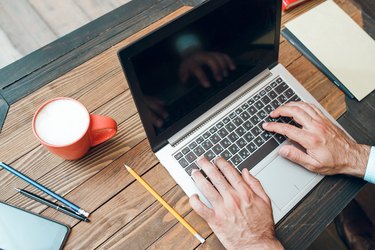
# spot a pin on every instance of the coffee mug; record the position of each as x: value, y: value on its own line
x: 65, y: 127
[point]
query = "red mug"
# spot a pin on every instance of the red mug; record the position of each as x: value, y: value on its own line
x: 65, y: 127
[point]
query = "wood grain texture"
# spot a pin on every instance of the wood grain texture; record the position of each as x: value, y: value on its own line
x: 3, y: 111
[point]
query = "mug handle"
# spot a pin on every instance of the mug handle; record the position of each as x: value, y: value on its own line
x: 102, y: 128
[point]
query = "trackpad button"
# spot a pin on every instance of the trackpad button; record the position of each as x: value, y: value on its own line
x: 283, y: 180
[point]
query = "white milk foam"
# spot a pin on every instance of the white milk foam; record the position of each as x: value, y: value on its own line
x: 62, y: 122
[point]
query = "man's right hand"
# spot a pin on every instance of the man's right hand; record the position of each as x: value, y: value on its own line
x: 328, y: 149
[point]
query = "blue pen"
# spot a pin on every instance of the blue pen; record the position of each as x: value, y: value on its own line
x: 64, y: 201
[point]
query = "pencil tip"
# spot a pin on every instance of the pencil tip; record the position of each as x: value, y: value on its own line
x: 17, y: 189
x: 127, y: 167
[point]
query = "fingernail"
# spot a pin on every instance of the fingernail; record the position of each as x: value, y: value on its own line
x: 264, y: 125
x: 194, y: 171
x: 199, y: 158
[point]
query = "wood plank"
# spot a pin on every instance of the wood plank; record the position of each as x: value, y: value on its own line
x: 24, y: 27
x: 61, y: 16
x: 120, y: 210
x: 96, y: 8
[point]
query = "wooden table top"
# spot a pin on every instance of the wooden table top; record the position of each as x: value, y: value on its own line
x: 123, y: 213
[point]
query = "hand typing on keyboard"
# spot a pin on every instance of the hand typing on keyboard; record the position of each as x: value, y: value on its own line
x: 328, y: 149
x: 241, y: 216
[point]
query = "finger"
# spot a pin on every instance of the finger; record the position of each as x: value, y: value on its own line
x: 215, y: 176
x: 296, y: 134
x: 200, y: 208
x: 296, y: 155
x: 219, y: 59
x: 231, y: 174
x: 206, y: 188
x: 201, y: 76
x: 308, y: 108
x: 184, y: 73
x: 255, y: 185
x: 214, y: 66
x: 295, y: 112
x: 158, y: 108
x: 229, y: 61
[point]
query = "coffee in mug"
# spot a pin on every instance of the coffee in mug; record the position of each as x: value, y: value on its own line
x: 65, y: 127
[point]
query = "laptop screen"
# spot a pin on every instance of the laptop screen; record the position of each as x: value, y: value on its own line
x: 181, y: 70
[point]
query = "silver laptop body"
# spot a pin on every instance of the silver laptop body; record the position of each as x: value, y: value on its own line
x: 231, y: 125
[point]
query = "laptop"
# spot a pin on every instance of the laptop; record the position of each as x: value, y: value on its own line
x: 203, y: 85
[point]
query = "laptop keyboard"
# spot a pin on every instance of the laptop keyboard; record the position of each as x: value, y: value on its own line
x: 239, y: 137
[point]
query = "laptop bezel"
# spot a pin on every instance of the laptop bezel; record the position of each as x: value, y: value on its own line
x: 126, y: 53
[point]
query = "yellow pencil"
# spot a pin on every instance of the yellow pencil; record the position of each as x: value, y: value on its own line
x: 165, y: 204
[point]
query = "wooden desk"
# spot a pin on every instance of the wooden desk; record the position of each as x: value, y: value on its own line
x: 84, y: 65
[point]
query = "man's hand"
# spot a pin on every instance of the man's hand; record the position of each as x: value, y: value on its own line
x: 241, y: 216
x: 328, y: 149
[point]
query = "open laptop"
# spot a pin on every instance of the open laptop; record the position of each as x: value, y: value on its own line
x: 203, y: 85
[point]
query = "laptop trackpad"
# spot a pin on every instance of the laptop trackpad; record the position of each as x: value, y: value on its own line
x: 283, y: 180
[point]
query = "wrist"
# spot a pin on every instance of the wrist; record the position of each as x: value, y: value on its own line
x: 358, y: 160
x: 271, y: 244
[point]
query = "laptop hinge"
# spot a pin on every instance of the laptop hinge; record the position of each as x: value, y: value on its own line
x: 218, y: 109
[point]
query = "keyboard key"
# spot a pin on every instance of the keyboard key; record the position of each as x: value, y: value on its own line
x: 230, y: 127
x: 207, y: 145
x: 279, y: 138
x: 256, y: 131
x: 255, y: 120
x: 279, y: 80
x: 198, y: 151
x: 217, y: 149
x: 178, y: 155
x: 252, y: 110
x: 262, y: 114
x: 244, y: 106
x: 282, y: 98
x: 258, y: 155
x: 206, y: 135
x: 259, y: 141
x: 226, y: 120
x: 199, y: 140
x: 268, y: 88
x: 237, y: 121
x: 232, y: 115
x: 233, y: 137
x: 190, y: 168
x: 259, y: 105
x: 272, y: 94
x: 190, y: 157
x: 241, y: 142
x: 244, y: 153
x: 249, y: 137
x: 226, y: 155
x: 245, y: 115
x: 215, y: 138
x: 238, y: 111
x: 213, y: 130
x: 184, y: 163
x: 273, y: 84
x: 251, y: 147
x: 295, y: 99
x: 275, y: 103
x: 251, y: 101
x: 185, y: 150
x: 248, y: 125
x: 209, y: 155
x: 220, y: 125
x: 256, y: 98
x: 240, y: 131
x: 262, y: 93
x: 193, y: 145
x: 236, y: 160
x: 289, y: 93
x: 222, y: 132
x: 286, y: 119
x: 268, y: 109
x: 281, y: 88
x: 225, y: 143
x: 266, y: 135
x: 233, y: 149
x: 266, y: 100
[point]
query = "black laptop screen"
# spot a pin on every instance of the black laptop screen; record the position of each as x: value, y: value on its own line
x: 183, y: 69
